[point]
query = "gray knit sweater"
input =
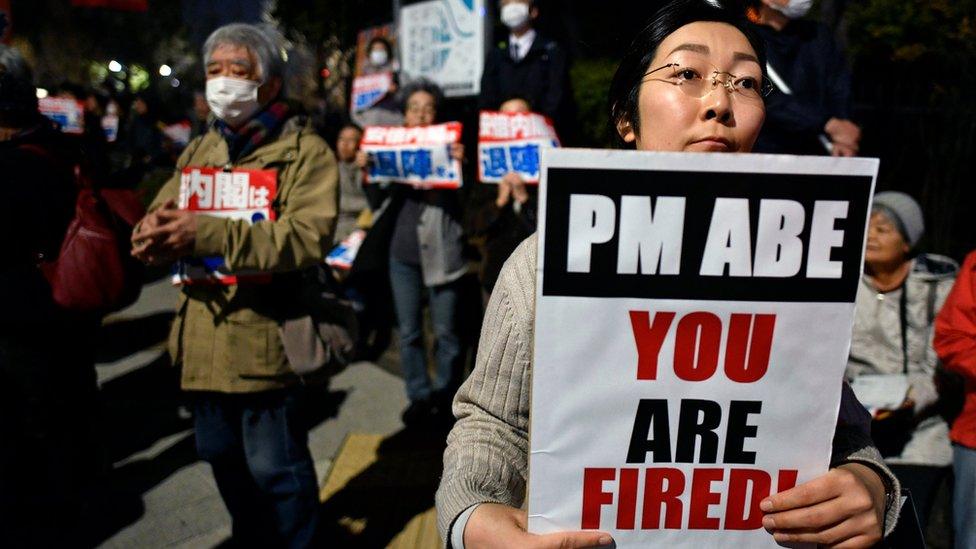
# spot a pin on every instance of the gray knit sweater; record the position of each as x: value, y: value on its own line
x: 487, y: 451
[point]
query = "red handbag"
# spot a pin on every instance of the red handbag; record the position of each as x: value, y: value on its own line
x: 94, y: 272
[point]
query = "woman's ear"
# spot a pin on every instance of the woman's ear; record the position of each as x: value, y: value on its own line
x: 626, y: 130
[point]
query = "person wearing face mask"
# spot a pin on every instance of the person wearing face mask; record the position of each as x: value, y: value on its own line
x: 532, y: 66
x: 387, y: 111
x: 480, y: 501
x: 809, y: 111
x: 226, y: 338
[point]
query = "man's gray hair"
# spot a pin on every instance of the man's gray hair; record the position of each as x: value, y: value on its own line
x: 11, y: 61
x: 266, y: 43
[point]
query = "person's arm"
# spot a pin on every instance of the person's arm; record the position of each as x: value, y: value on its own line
x: 955, y: 325
x: 487, y: 450
x: 489, y: 97
x: 486, y: 461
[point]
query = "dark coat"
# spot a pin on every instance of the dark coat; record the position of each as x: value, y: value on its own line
x: 805, y: 55
x: 37, y: 199
x: 541, y: 77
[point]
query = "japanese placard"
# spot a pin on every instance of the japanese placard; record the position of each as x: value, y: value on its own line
x: 242, y: 195
x: 693, y: 320
x: 510, y: 142
x: 419, y: 156
x: 68, y: 113
x: 367, y: 90
x: 342, y: 256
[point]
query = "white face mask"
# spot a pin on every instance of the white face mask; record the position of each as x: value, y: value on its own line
x: 232, y: 100
x: 515, y: 14
x: 795, y: 9
x: 378, y: 58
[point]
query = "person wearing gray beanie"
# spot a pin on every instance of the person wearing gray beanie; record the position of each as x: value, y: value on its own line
x: 904, y: 212
x: 897, y: 299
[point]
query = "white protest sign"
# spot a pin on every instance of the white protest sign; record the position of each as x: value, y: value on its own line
x: 68, y: 113
x: 510, y: 142
x: 693, y: 320
x: 244, y: 195
x: 367, y: 90
x: 344, y: 255
x: 419, y: 156
x: 444, y: 41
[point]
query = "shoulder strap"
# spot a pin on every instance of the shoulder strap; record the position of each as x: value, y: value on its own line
x: 903, y: 318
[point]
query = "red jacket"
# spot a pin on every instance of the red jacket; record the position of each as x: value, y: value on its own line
x: 955, y: 342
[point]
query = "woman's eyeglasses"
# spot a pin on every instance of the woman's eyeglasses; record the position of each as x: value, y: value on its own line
x: 691, y: 81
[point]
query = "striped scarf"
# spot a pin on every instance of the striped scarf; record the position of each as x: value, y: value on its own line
x: 262, y: 127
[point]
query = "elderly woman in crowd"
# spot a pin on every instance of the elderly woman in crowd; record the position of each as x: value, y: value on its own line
x: 420, y: 230
x: 485, y: 464
x: 897, y: 300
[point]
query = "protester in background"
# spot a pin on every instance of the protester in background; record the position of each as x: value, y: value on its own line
x: 143, y: 138
x: 388, y: 111
x: 532, y: 66
x: 227, y: 338
x: 379, y: 56
x: 352, y: 197
x: 809, y: 113
x: 200, y: 114
x: 48, y: 391
x: 510, y: 218
x: 897, y: 300
x: 482, y: 492
x: 955, y: 342
x: 425, y: 257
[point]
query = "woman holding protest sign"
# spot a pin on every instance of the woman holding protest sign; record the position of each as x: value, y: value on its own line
x: 665, y: 96
x: 419, y: 231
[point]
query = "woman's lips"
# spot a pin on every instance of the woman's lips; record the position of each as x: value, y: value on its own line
x: 712, y: 144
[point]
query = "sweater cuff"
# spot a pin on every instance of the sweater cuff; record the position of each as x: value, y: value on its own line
x: 455, y: 533
x: 211, y: 236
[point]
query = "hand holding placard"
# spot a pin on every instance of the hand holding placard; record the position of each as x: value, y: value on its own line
x: 499, y: 526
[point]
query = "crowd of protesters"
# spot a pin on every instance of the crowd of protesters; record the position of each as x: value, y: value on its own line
x: 246, y: 350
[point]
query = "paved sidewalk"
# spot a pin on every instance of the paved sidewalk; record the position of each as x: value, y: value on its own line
x: 163, y: 495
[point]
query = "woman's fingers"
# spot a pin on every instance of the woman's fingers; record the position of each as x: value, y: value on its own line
x: 571, y: 540
x: 492, y: 525
x: 820, y: 489
x: 814, y: 517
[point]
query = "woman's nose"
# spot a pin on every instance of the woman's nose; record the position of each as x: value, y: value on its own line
x: 717, y: 104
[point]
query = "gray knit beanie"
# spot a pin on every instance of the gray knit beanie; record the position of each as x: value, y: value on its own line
x: 904, y: 212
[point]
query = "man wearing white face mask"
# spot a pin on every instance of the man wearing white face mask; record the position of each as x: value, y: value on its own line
x: 531, y: 66
x: 225, y: 336
x: 809, y: 112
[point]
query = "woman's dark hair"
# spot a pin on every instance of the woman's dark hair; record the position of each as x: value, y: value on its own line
x: 380, y: 40
x: 625, y: 86
x: 422, y: 85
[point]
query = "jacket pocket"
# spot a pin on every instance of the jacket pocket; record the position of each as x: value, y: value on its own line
x: 255, y: 350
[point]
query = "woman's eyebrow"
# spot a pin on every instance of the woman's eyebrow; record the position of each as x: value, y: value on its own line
x: 741, y: 56
x: 697, y: 48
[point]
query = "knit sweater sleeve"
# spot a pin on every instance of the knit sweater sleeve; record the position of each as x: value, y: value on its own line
x: 487, y: 451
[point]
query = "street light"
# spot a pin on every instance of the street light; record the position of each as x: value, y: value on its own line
x: 114, y: 66
x: 165, y: 70
x: 41, y: 93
